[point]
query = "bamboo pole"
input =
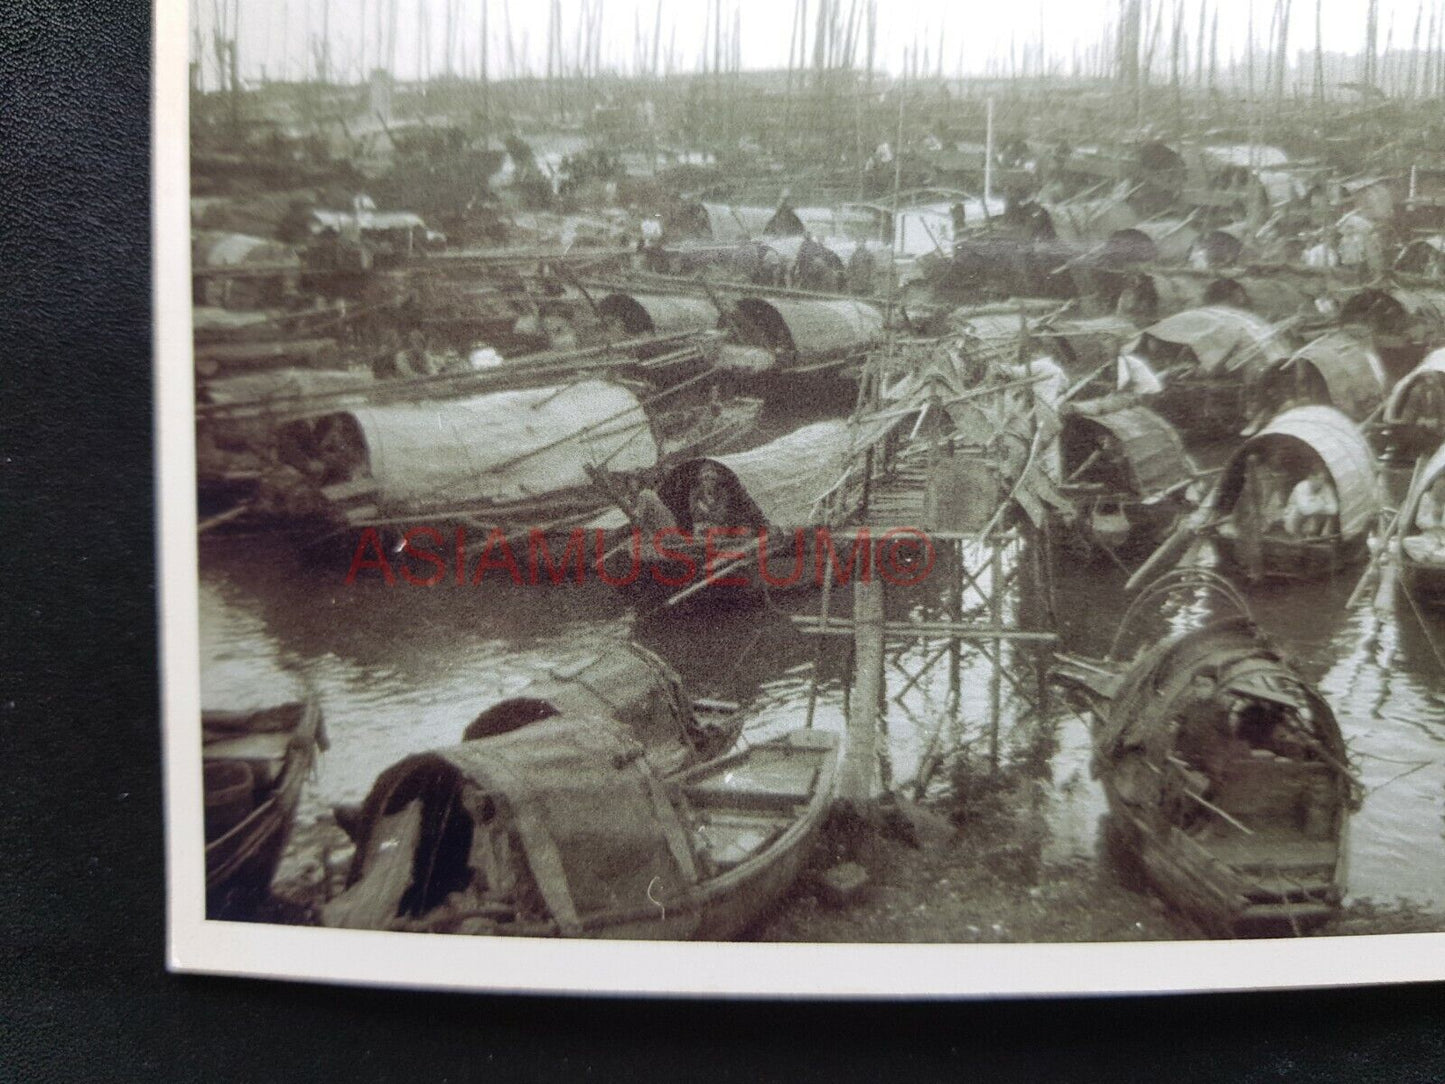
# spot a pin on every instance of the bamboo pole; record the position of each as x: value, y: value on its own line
x: 860, y: 757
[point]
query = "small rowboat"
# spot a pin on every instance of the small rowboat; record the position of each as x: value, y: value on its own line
x: 562, y: 828
x: 255, y: 764
x: 1248, y: 506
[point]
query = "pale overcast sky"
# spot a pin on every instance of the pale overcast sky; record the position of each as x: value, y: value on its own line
x: 276, y: 33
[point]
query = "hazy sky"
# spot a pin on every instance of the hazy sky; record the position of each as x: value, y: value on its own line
x: 974, y: 34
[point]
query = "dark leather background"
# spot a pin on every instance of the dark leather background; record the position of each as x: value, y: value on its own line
x: 83, y: 993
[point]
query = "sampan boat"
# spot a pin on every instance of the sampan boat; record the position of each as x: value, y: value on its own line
x: 563, y: 828
x: 1413, y: 423
x: 1249, y: 507
x: 764, y: 504
x: 1125, y: 473
x: 1421, y: 536
x: 1212, y: 362
x: 254, y: 765
x: 1226, y: 777
x: 510, y: 460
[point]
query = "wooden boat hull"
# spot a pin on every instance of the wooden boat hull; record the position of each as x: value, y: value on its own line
x: 730, y: 903
x: 718, y: 843
x: 1293, y: 560
x: 1227, y: 778
x: 1144, y: 526
x: 1425, y: 583
x: 241, y: 863
x: 1220, y: 899
x: 654, y: 578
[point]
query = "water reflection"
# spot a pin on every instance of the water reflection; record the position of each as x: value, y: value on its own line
x: 399, y: 669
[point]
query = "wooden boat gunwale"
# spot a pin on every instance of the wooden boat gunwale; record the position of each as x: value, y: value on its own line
x: 225, y: 855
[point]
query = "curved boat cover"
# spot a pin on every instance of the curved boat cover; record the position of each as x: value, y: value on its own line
x: 785, y: 480
x: 211, y: 249
x: 1273, y: 297
x: 1396, y: 310
x: 622, y: 681
x: 1434, y: 467
x: 502, y: 447
x: 659, y: 314
x: 823, y: 223
x: 1434, y: 363
x: 1090, y: 220
x: 1340, y: 446
x: 1153, y: 686
x: 1351, y: 371
x: 1151, y: 446
x: 813, y: 329
x: 1225, y: 340
x: 594, y: 825
x: 728, y: 223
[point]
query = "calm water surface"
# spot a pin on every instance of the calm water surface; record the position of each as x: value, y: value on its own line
x: 401, y: 669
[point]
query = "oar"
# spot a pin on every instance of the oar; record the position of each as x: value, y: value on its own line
x: 1170, y: 552
x: 1179, y: 547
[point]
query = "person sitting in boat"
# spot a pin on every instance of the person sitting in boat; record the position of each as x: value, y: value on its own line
x: 414, y: 360
x: 1430, y: 514
x: 1426, y: 543
x: 1312, y: 507
x: 1424, y: 403
x: 709, y: 502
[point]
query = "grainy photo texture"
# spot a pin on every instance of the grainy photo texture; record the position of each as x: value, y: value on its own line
x: 819, y: 471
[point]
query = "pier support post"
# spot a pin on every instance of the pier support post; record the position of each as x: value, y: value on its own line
x: 860, y: 755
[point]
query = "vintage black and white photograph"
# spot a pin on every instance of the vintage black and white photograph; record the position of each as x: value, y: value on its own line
x: 804, y: 472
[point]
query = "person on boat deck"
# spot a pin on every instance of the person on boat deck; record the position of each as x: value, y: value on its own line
x: 414, y: 360
x: 1264, y: 482
x: 708, y: 502
x: 1312, y: 505
x: 1204, y: 737
x: 1430, y: 514
x: 1425, y: 403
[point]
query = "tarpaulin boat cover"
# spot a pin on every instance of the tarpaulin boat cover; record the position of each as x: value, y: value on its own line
x: 1274, y: 296
x: 284, y: 386
x: 785, y: 480
x: 1151, y: 446
x: 623, y: 681
x: 1351, y: 371
x: 595, y: 827
x: 211, y: 249
x: 659, y: 314
x: 1089, y: 220
x: 1157, y: 684
x: 810, y: 329
x: 728, y: 223
x: 1223, y: 339
x: 823, y: 223
x: 1432, y: 366
x: 1340, y: 446
x: 1434, y: 467
x: 1397, y: 311
x: 502, y: 447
